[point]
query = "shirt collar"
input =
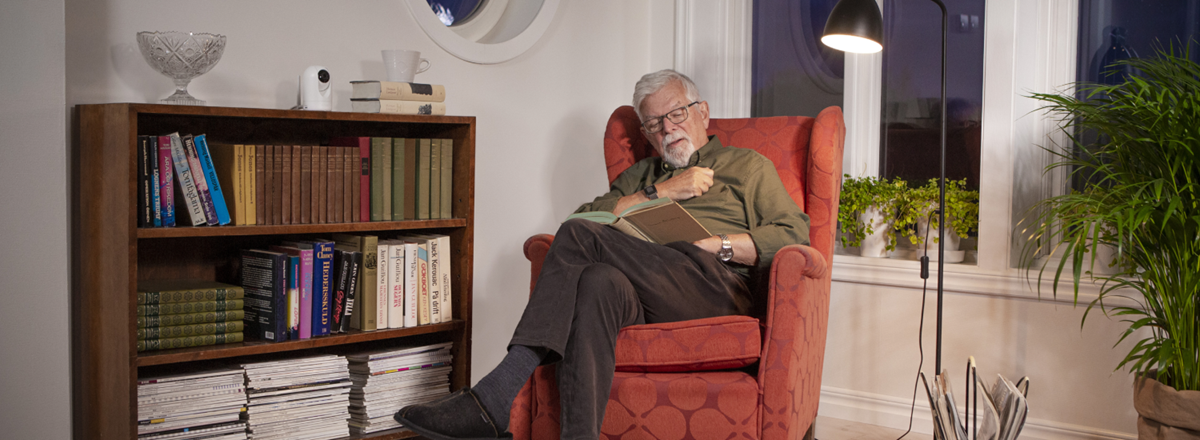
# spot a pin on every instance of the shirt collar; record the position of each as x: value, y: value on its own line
x: 713, y: 145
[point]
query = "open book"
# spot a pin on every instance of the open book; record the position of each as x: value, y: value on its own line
x: 659, y: 221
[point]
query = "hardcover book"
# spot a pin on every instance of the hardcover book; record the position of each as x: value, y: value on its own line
x: 361, y: 148
x: 320, y: 183
x: 155, y: 183
x: 350, y: 172
x: 368, y: 246
x: 447, y: 176
x: 435, y: 178
x: 151, y: 310
x: 177, y: 291
x: 342, y: 263
x: 382, y: 293
x: 200, y: 179
x: 269, y: 185
x: 212, y: 180
x: 187, y: 186
x: 306, y: 184
x: 398, y: 107
x: 422, y: 188
x: 189, y: 318
x: 659, y: 221
x: 324, y: 279
x: 386, y: 183
x: 397, y: 170
x: 277, y: 185
x: 399, y: 91
x: 264, y: 276
x: 228, y: 162
x: 144, y: 210
x: 333, y: 201
x: 352, y: 287
x: 179, y: 331
x: 410, y: 179
x: 260, y: 185
x: 285, y: 183
x: 377, y: 146
x: 294, y: 188
x: 188, y: 341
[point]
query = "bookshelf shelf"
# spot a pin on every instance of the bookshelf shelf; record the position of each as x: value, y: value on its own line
x: 232, y: 231
x: 182, y: 355
x: 111, y: 254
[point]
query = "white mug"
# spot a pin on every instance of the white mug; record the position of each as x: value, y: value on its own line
x: 403, y: 65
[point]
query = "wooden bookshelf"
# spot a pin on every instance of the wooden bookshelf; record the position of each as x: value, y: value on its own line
x: 110, y: 253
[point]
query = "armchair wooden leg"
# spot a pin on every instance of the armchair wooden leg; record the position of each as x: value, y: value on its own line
x: 811, y: 434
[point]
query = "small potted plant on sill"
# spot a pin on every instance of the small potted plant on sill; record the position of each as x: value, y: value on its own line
x: 1141, y: 195
x: 921, y: 209
x: 867, y: 211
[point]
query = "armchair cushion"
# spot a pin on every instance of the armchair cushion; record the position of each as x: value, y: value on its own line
x: 719, y: 343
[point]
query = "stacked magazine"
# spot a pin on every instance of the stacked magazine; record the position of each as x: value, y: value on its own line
x: 205, y: 405
x: 298, y: 399
x: 1001, y: 416
x: 386, y: 381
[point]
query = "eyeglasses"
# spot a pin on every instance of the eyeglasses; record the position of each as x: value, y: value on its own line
x: 677, y: 116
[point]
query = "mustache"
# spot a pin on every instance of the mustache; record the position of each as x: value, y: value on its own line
x: 675, y: 136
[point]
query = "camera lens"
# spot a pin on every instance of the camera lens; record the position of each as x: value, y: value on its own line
x: 323, y: 76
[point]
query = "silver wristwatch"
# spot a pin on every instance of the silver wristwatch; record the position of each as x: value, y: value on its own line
x: 726, y: 252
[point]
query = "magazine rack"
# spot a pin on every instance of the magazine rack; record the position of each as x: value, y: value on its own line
x: 1006, y: 406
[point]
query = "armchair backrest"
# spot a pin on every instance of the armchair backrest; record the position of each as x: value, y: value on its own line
x: 807, y: 153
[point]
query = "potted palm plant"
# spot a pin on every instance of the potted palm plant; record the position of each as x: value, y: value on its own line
x: 867, y: 211
x: 1140, y: 195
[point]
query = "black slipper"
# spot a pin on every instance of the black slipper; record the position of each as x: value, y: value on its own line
x: 458, y: 416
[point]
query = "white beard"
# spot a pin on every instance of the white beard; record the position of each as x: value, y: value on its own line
x: 678, y: 156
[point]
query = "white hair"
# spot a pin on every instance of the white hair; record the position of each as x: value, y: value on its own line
x: 651, y: 83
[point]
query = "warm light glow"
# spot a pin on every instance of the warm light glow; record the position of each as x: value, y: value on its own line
x: 850, y: 43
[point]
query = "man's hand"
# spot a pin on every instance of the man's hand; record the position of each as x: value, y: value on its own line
x: 693, y: 182
x: 745, y: 252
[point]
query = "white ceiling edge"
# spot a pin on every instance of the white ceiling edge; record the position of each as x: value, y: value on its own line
x: 481, y: 53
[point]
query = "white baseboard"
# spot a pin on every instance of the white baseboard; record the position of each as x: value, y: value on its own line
x: 892, y: 412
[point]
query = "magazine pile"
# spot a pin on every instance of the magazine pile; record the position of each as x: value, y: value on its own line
x: 386, y: 381
x: 204, y: 405
x: 1000, y: 417
x: 298, y: 399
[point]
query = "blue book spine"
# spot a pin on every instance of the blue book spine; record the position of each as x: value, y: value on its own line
x: 198, y: 179
x: 210, y: 177
x: 322, y: 287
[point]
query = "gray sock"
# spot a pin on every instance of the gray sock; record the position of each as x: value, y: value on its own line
x: 498, y: 389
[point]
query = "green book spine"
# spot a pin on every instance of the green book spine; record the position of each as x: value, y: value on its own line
x: 410, y: 179
x: 179, y: 331
x: 423, y: 150
x: 447, y: 178
x: 385, y: 167
x: 179, y: 291
x: 188, y: 319
x: 435, y: 178
x: 188, y: 341
x: 189, y: 307
x: 377, y: 146
x: 398, y: 178
x: 366, y: 298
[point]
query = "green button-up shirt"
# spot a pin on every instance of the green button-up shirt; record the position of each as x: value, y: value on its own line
x: 746, y: 197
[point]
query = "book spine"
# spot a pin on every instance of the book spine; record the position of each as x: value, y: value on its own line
x: 447, y: 176
x: 306, y: 182
x: 183, y: 172
x: 435, y: 281
x: 333, y: 200
x: 151, y: 310
x: 352, y: 287
x: 260, y: 185
x: 395, y: 283
x: 385, y: 169
x: 211, y: 179
x: 189, y: 318
x: 323, y: 283
x: 320, y: 183
x: 285, y: 184
x: 349, y: 180
x: 155, y: 182
x: 435, y: 178
x: 178, y: 331
x: 366, y: 296
x: 239, y: 185
x: 294, y: 184
x: 188, y: 341
x: 377, y: 146
x: 198, y: 173
x: 293, y: 297
x: 166, y: 181
x: 423, y: 158
x: 402, y: 91
x: 339, y: 293
x: 145, y: 213
x: 215, y: 293
x: 277, y: 182
x: 410, y: 179
x: 411, y: 107
x: 251, y: 184
x: 382, y: 293
x: 423, y: 284
x: 397, y: 180
x: 363, y: 213
x: 306, y: 293
x: 444, y: 271
x: 411, y: 284
x: 263, y: 278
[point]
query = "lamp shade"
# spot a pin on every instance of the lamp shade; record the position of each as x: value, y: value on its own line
x: 854, y: 26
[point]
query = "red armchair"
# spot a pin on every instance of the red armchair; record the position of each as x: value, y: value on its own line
x: 699, y: 379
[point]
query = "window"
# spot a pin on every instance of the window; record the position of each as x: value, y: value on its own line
x: 793, y: 74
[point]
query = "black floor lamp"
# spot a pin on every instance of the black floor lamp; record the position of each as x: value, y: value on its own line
x: 857, y: 26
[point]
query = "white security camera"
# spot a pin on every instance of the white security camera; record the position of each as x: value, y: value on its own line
x: 316, y: 92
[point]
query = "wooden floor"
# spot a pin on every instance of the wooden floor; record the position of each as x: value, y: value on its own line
x: 837, y: 429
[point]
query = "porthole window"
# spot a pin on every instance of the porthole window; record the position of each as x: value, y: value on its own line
x: 484, y: 31
x: 454, y: 12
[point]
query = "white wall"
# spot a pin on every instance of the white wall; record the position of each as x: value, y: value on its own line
x: 540, y: 116
x: 34, y: 366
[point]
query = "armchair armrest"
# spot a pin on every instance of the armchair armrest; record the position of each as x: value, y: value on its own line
x: 536, y: 248
x: 794, y: 341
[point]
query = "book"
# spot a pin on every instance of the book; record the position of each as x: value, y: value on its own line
x: 260, y: 185
x: 394, y: 282
x: 382, y: 293
x: 366, y: 299
x: 277, y: 182
x: 305, y: 286
x: 155, y: 182
x: 306, y: 184
x: 659, y: 221
x: 333, y: 200
x: 324, y: 278
x: 398, y: 107
x: 320, y: 183
x: 410, y: 179
x: 177, y: 291
x: 397, y: 180
x: 248, y: 177
x: 422, y: 272
x: 435, y: 178
x: 350, y: 172
x: 411, y: 279
x: 285, y: 183
x: 144, y: 197
x: 401, y: 91
x: 353, y: 284
x: 445, y: 276
x: 152, y: 310
x: 447, y: 176
x: 338, y: 301
x: 385, y: 170
x: 294, y: 184
x: 166, y: 181
x: 201, y: 181
x: 293, y: 297
x: 422, y: 181
x: 217, y: 195
x: 264, y: 276
x: 364, y: 182
x: 439, y: 279
x: 377, y: 146
x: 187, y: 186
x: 188, y: 318
x: 228, y: 164
x: 188, y: 341
x: 179, y: 331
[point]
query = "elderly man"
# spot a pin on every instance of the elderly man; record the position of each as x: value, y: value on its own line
x: 596, y: 280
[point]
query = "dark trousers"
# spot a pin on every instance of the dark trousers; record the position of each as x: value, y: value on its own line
x: 596, y: 280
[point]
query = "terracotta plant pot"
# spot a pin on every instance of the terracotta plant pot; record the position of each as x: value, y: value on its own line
x: 1165, y: 413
